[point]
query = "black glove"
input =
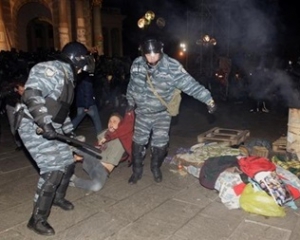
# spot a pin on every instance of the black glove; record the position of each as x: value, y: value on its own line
x: 49, y: 131
x: 212, y: 107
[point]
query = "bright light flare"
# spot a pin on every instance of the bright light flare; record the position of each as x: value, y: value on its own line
x: 183, y: 47
x: 149, y: 15
x: 206, y: 40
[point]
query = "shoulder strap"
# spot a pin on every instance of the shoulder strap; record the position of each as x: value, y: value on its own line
x: 154, y: 91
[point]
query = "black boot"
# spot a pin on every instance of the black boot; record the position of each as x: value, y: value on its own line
x: 41, y: 210
x: 63, y: 204
x: 40, y: 226
x: 158, y: 155
x: 59, y: 199
x: 138, y: 156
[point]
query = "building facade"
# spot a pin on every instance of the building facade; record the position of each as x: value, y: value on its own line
x: 31, y: 25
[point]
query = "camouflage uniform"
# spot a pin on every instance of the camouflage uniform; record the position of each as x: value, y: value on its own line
x: 54, y: 158
x: 151, y: 115
x: 48, y: 77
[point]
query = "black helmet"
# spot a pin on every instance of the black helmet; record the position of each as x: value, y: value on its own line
x: 79, y: 56
x: 151, y: 45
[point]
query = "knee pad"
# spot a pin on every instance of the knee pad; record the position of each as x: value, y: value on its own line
x: 138, y: 150
x: 52, y: 180
x: 160, y: 151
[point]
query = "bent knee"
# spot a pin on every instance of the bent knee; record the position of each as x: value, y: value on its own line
x: 97, y: 187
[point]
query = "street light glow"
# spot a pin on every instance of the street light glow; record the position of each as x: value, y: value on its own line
x: 206, y: 40
x: 148, y: 17
x: 183, y: 47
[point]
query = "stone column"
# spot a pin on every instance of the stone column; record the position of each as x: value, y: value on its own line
x: 80, y: 25
x: 3, y: 38
x: 98, y: 37
x: 63, y: 26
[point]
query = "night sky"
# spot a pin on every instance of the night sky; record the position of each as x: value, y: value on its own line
x: 255, y: 26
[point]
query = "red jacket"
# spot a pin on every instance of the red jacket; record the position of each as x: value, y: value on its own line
x: 124, y: 133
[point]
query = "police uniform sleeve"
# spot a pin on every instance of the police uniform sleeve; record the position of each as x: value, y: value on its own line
x: 33, y: 98
x: 186, y: 83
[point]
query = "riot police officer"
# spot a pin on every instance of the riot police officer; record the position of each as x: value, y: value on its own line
x: 47, y: 98
x: 152, y: 117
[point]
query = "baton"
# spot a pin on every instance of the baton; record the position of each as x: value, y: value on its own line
x: 74, y: 142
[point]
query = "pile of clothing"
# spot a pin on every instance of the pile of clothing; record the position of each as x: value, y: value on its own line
x: 256, y: 184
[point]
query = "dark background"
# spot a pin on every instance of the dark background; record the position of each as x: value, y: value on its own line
x: 259, y: 37
x: 255, y: 25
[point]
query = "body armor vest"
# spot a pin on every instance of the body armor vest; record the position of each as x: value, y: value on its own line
x: 60, y: 108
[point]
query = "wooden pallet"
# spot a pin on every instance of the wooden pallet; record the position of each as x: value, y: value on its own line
x: 230, y: 136
x: 279, y: 145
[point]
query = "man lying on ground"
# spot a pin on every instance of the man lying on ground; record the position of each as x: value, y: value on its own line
x: 115, y: 145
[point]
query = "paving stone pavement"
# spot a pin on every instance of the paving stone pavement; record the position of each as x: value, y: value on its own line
x: 179, y: 208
